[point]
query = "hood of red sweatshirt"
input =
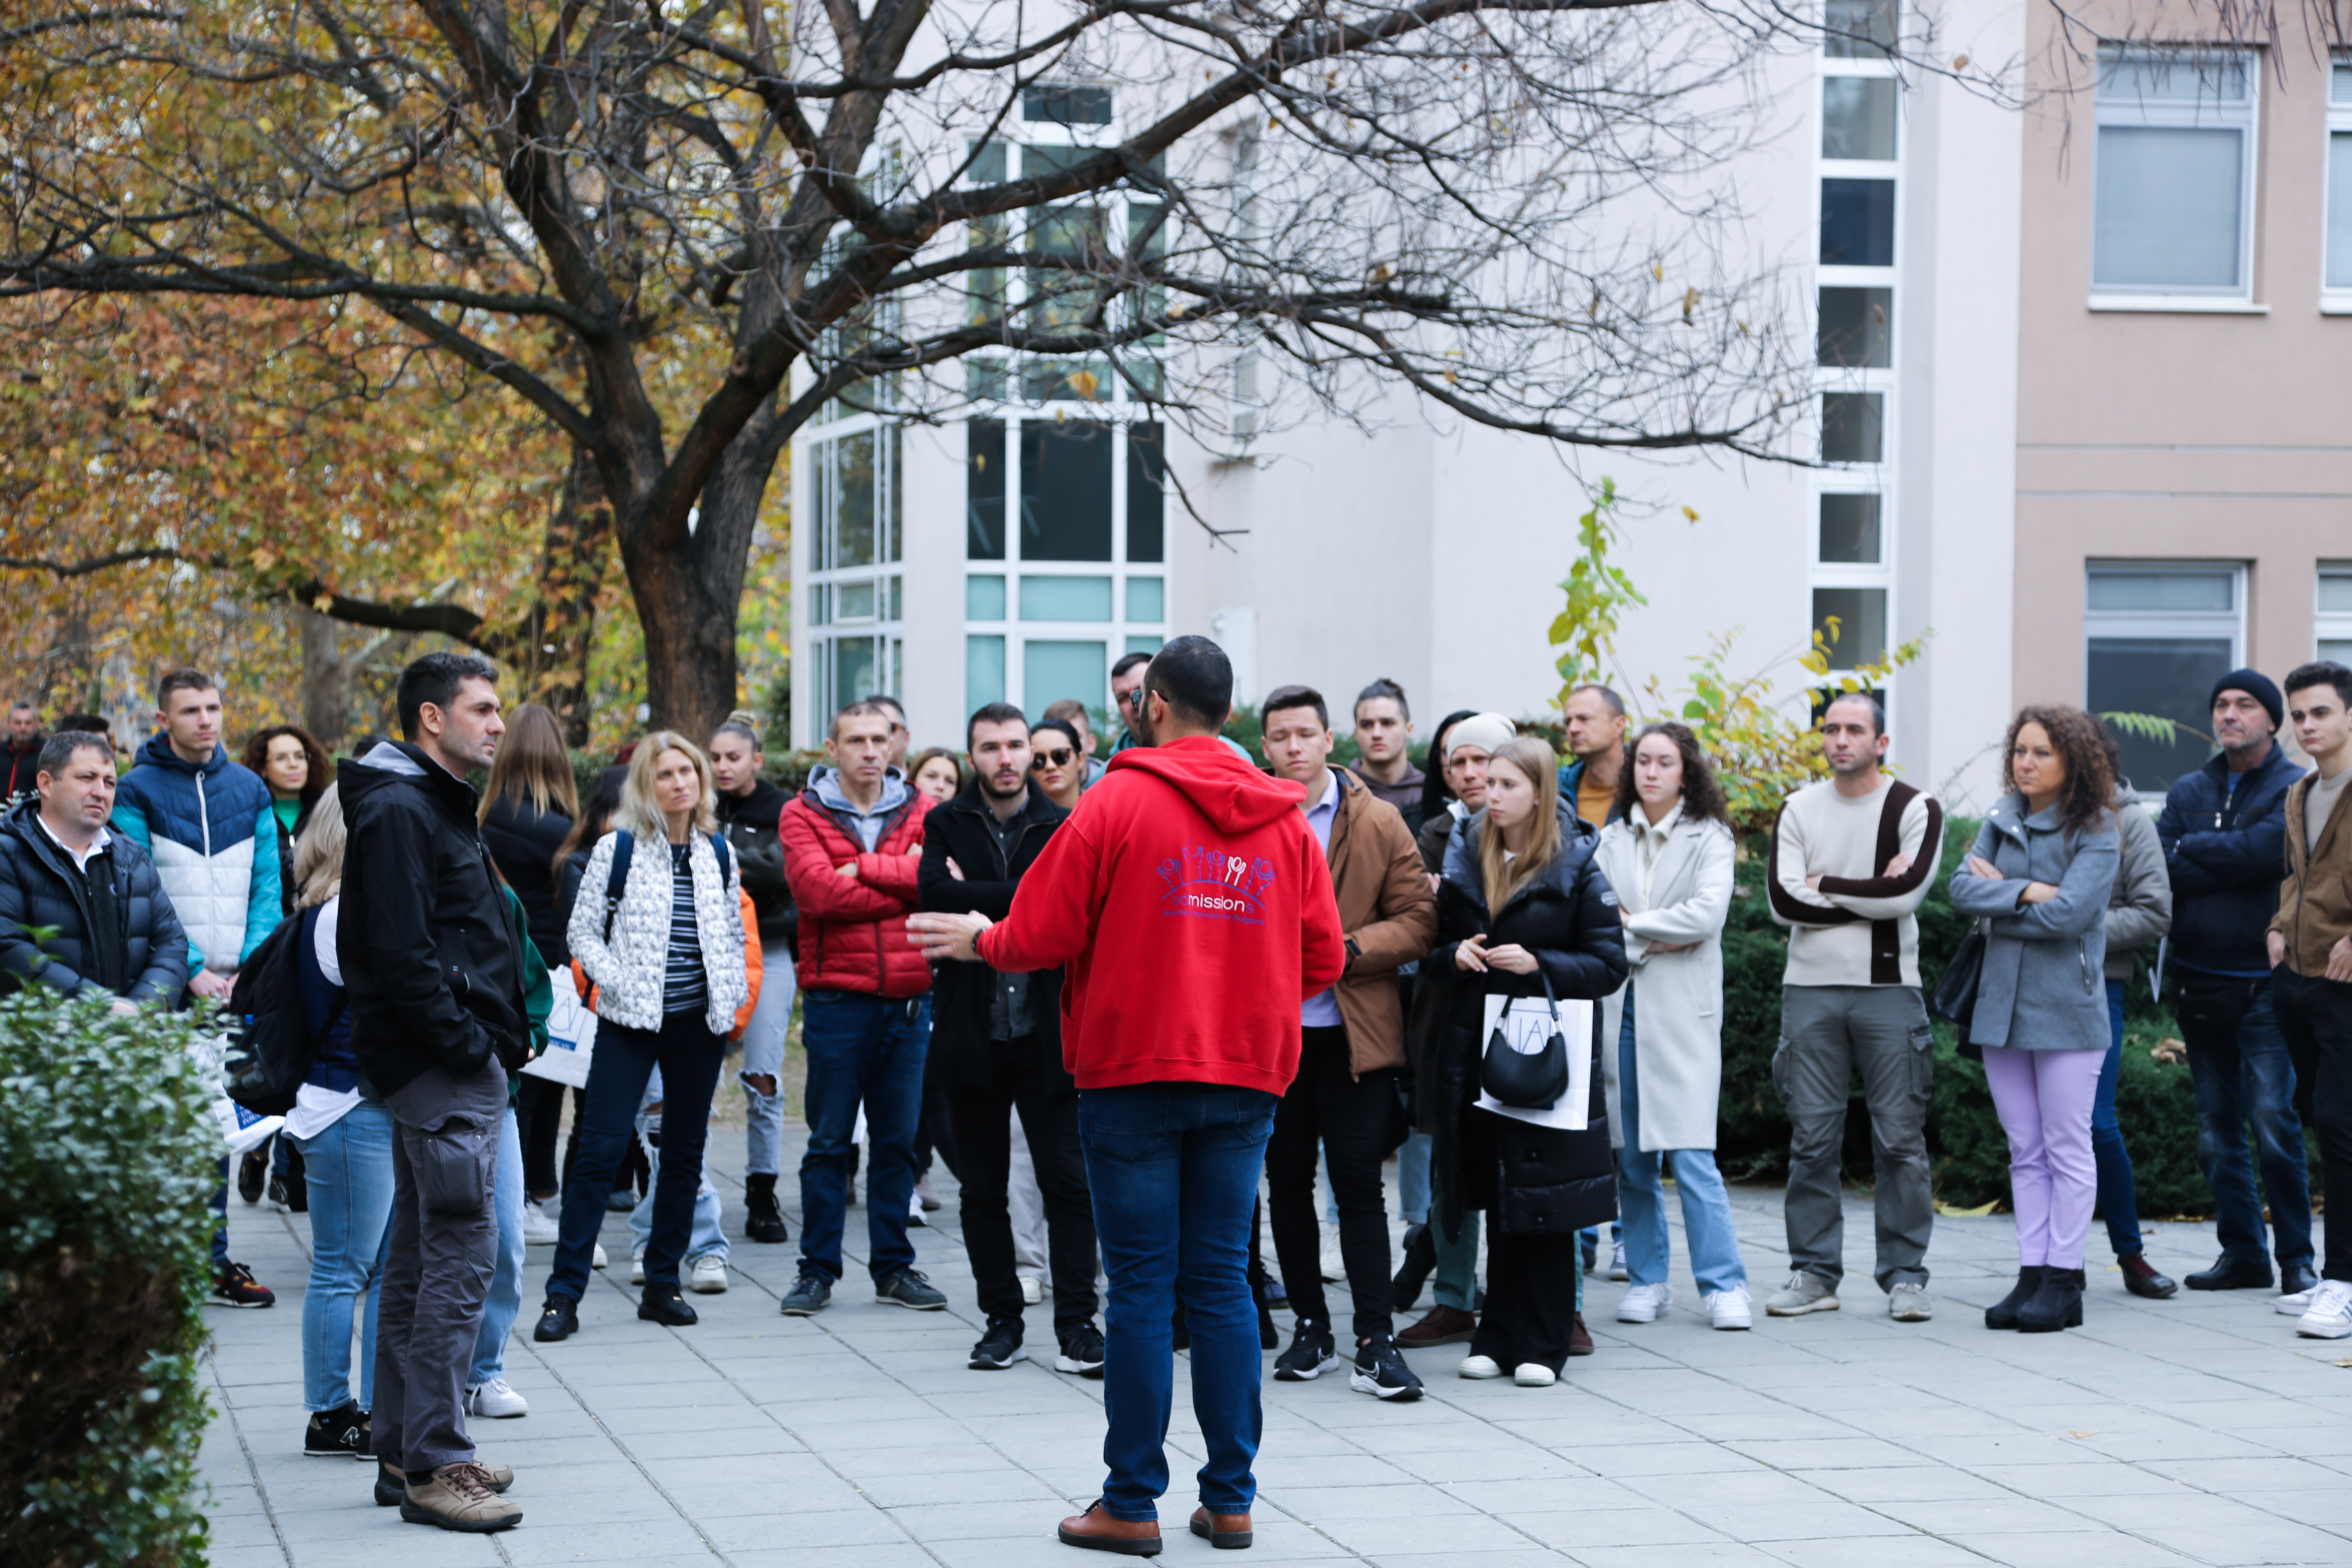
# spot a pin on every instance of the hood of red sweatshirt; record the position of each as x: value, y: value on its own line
x: 1214, y: 777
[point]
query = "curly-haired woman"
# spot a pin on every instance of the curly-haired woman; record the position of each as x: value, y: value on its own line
x: 295, y: 767
x: 2038, y: 875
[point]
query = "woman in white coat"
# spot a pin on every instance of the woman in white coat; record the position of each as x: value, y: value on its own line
x: 1668, y: 854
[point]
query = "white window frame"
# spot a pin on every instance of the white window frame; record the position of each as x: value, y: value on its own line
x: 2116, y: 109
x: 822, y: 622
x: 2329, y: 626
x: 2336, y: 301
x: 2158, y: 624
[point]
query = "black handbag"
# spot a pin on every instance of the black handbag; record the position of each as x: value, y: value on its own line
x: 1528, y: 1080
x: 1954, y: 1000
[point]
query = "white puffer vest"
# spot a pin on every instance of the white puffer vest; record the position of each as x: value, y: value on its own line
x: 628, y: 970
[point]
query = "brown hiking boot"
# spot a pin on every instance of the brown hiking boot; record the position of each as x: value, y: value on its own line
x: 459, y: 1497
x: 1442, y: 1326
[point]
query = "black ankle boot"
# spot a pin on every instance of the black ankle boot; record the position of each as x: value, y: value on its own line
x: 1420, y: 1260
x: 2002, y: 1314
x: 2057, y: 1305
x: 763, y: 1218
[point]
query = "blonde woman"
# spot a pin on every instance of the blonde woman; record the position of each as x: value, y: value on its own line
x: 1519, y: 905
x: 666, y: 949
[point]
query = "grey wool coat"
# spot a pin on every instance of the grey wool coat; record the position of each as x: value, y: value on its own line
x: 2044, y: 986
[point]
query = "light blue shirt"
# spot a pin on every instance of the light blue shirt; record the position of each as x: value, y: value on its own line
x: 1321, y: 1011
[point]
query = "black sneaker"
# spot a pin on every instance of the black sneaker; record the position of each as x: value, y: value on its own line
x: 1000, y: 1347
x: 807, y: 1297
x: 559, y: 1319
x: 233, y: 1286
x: 908, y: 1288
x: 666, y: 1304
x: 1310, y: 1355
x: 338, y: 1433
x: 1082, y: 1352
x: 253, y: 1172
x: 1380, y: 1372
x: 290, y: 1193
x: 763, y: 1218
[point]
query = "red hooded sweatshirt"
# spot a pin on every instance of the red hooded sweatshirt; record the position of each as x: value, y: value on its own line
x: 1192, y: 908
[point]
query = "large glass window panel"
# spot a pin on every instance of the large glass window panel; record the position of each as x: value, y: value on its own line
x: 1859, y: 638
x: 984, y: 490
x: 1144, y: 645
x: 1857, y: 223
x: 983, y: 598
x: 1051, y: 671
x: 856, y: 602
x: 1859, y: 28
x: 1853, y: 427
x: 984, y: 671
x: 2168, y: 207
x: 1858, y: 115
x: 2123, y: 590
x: 1078, y: 380
x: 1147, y: 599
x: 986, y: 164
x: 1850, y: 534
x: 2337, y: 649
x: 2170, y: 677
x: 892, y: 533
x: 1059, y: 297
x: 2339, y: 207
x: 1853, y: 332
x: 2336, y: 593
x: 854, y: 498
x: 1064, y: 490
x: 1065, y: 105
x: 857, y: 671
x: 1065, y: 599
x: 2172, y: 76
x: 1146, y: 502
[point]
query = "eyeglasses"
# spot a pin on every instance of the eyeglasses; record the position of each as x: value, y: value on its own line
x: 1060, y: 759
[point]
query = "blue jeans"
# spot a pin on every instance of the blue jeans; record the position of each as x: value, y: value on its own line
x: 866, y: 1049
x: 505, y: 1299
x: 2239, y: 1066
x: 1174, y: 1169
x: 706, y: 1237
x: 2118, y: 1201
x: 1642, y: 1195
x: 688, y: 1056
x: 220, y: 1219
x: 350, y: 1171
x: 1413, y: 1178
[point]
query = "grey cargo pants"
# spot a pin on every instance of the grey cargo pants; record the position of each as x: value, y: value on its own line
x: 1826, y: 1033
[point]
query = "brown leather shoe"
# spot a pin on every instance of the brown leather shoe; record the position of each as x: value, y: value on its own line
x: 1096, y: 1530
x: 1225, y: 1531
x: 1579, y: 1338
x: 1442, y: 1326
x: 458, y: 1496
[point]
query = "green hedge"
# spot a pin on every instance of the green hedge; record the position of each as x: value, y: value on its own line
x: 108, y: 1163
x: 2154, y: 1102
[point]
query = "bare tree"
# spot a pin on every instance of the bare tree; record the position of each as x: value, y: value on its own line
x: 723, y: 230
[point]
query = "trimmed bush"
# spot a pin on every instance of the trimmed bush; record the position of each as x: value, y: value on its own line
x: 108, y: 1163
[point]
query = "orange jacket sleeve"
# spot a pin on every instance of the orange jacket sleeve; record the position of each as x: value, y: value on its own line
x: 755, y: 966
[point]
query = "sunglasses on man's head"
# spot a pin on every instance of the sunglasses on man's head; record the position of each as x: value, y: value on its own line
x: 1058, y: 759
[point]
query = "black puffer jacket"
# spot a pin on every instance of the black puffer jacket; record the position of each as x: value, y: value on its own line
x: 523, y: 840
x: 429, y: 958
x: 749, y: 823
x: 1532, y: 1180
x: 39, y: 887
x: 961, y: 992
x: 20, y: 767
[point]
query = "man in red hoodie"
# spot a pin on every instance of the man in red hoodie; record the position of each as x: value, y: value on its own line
x: 1191, y: 909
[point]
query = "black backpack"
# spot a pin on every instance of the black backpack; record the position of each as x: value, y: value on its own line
x: 269, y: 1048
x: 625, y: 850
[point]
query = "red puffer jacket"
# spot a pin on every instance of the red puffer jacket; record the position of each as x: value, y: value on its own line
x: 853, y: 929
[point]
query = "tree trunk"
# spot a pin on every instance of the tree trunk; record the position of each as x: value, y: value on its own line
x: 326, y: 681
x: 550, y: 650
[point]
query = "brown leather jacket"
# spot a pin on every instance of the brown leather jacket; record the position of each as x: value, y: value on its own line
x: 2314, y: 901
x: 1389, y: 917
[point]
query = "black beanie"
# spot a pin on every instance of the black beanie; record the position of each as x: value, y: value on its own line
x: 2256, y: 685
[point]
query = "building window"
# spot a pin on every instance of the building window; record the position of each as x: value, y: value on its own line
x: 1066, y: 507
x: 1858, y: 116
x: 2175, y: 178
x: 984, y: 670
x: 1852, y: 622
x: 1854, y: 331
x: 1853, y: 427
x: 2156, y: 634
x: 1859, y: 29
x: 1857, y: 223
x: 1849, y: 532
x: 1065, y: 105
x: 2338, y: 277
x: 2334, y: 620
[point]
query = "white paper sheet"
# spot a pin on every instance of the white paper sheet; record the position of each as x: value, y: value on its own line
x: 1528, y: 1027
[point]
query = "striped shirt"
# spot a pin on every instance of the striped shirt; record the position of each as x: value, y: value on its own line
x: 684, y: 987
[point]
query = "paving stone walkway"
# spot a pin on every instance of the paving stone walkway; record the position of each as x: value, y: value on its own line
x: 2199, y: 1430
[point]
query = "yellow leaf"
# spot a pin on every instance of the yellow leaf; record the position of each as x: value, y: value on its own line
x: 1690, y: 513
x: 1657, y: 271
x: 1959, y: 62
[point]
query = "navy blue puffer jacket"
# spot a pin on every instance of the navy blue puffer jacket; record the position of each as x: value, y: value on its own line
x: 2226, y: 850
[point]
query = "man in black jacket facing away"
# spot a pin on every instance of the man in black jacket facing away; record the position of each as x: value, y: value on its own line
x: 2225, y: 834
x: 996, y: 1043
x: 435, y: 985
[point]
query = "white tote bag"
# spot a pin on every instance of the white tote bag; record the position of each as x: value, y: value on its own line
x: 570, y: 1035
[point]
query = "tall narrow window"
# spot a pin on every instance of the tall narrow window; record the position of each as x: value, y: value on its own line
x: 984, y: 490
x: 1147, y: 464
x: 1853, y: 623
x: 1859, y: 28
x: 1858, y: 118
x: 2333, y: 621
x: 1065, y: 491
x: 1854, y: 328
x: 2173, y: 187
x: 1854, y: 427
x: 1857, y: 223
x: 1850, y: 531
x: 2339, y: 179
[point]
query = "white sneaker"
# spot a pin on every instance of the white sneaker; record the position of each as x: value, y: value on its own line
x: 914, y: 1210
x: 1617, y: 1262
x: 2296, y: 1305
x: 600, y: 1259
x: 1332, y: 1265
x: 1646, y: 1303
x: 1479, y: 1366
x: 1908, y: 1303
x: 1032, y: 1290
x: 538, y: 1228
x: 495, y: 1400
x: 636, y: 1267
x: 710, y: 1275
x: 1803, y: 1293
x: 2330, y: 1316
x: 1534, y: 1374
x: 1729, y: 1309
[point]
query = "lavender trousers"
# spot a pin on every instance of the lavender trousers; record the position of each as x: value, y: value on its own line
x: 2044, y: 1099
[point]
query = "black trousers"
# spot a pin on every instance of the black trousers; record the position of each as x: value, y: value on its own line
x: 2316, y: 1016
x: 1021, y: 1079
x: 1357, y: 1121
x: 1530, y: 1299
x: 936, y: 1132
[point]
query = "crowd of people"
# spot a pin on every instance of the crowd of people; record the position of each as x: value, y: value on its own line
x: 1148, y: 1006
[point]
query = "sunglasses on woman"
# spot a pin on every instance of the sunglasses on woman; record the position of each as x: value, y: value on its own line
x: 1060, y: 759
